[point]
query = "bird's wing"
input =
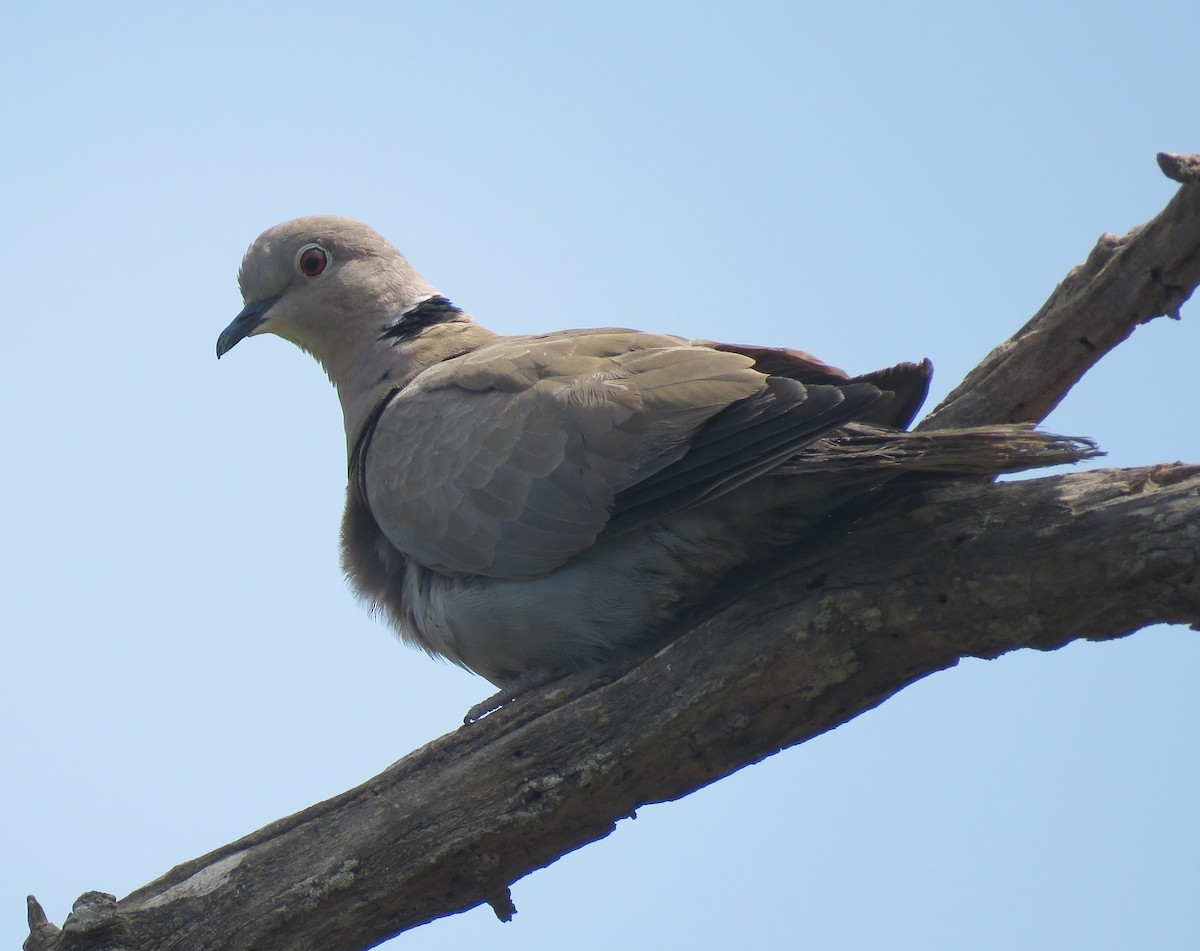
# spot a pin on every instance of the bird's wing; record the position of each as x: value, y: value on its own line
x: 508, y: 460
x: 907, y: 382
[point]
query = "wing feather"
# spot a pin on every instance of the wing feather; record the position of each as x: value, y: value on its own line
x: 508, y: 460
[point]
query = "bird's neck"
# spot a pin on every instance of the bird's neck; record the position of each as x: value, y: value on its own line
x: 367, y: 367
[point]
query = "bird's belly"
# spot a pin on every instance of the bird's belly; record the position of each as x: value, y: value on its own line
x: 499, y: 628
x: 618, y: 594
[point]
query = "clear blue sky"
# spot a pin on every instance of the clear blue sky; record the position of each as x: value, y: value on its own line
x: 182, y: 661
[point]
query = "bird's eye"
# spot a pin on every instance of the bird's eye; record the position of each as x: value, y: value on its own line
x: 312, y: 259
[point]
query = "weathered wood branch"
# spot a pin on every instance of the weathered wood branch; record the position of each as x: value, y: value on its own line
x: 1096, y: 555
x: 928, y: 576
x: 1125, y: 282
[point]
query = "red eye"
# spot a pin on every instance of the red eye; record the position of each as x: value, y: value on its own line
x: 312, y: 260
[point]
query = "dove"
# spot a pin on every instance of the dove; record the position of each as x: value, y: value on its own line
x: 525, y: 506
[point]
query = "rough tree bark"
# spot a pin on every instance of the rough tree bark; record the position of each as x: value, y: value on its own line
x: 967, y: 570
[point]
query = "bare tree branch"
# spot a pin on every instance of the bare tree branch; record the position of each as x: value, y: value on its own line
x: 1097, y: 555
x: 929, y: 575
x: 1125, y: 282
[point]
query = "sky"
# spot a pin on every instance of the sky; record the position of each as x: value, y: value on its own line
x: 182, y: 661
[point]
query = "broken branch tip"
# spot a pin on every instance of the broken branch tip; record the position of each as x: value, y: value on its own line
x: 1184, y: 169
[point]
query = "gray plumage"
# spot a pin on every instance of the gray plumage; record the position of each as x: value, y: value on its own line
x: 539, y: 502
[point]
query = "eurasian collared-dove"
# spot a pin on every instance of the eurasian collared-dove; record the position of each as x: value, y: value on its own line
x: 536, y: 503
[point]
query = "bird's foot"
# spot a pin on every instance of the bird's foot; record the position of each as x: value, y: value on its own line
x: 519, y: 686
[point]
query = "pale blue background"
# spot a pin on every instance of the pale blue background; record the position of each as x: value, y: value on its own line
x: 182, y: 661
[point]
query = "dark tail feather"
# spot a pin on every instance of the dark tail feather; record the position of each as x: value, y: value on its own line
x: 979, y: 450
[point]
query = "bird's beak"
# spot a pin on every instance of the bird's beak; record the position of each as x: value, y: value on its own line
x: 253, y: 316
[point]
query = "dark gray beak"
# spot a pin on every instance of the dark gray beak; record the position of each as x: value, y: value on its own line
x: 253, y: 316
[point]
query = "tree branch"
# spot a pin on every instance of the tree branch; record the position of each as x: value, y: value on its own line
x: 1127, y: 281
x: 1096, y: 555
x: 929, y: 575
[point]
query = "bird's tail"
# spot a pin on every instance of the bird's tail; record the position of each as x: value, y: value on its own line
x: 978, y: 450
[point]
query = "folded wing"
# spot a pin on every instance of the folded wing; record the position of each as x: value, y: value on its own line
x: 508, y: 460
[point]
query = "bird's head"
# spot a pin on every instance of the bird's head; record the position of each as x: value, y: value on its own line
x: 314, y: 280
